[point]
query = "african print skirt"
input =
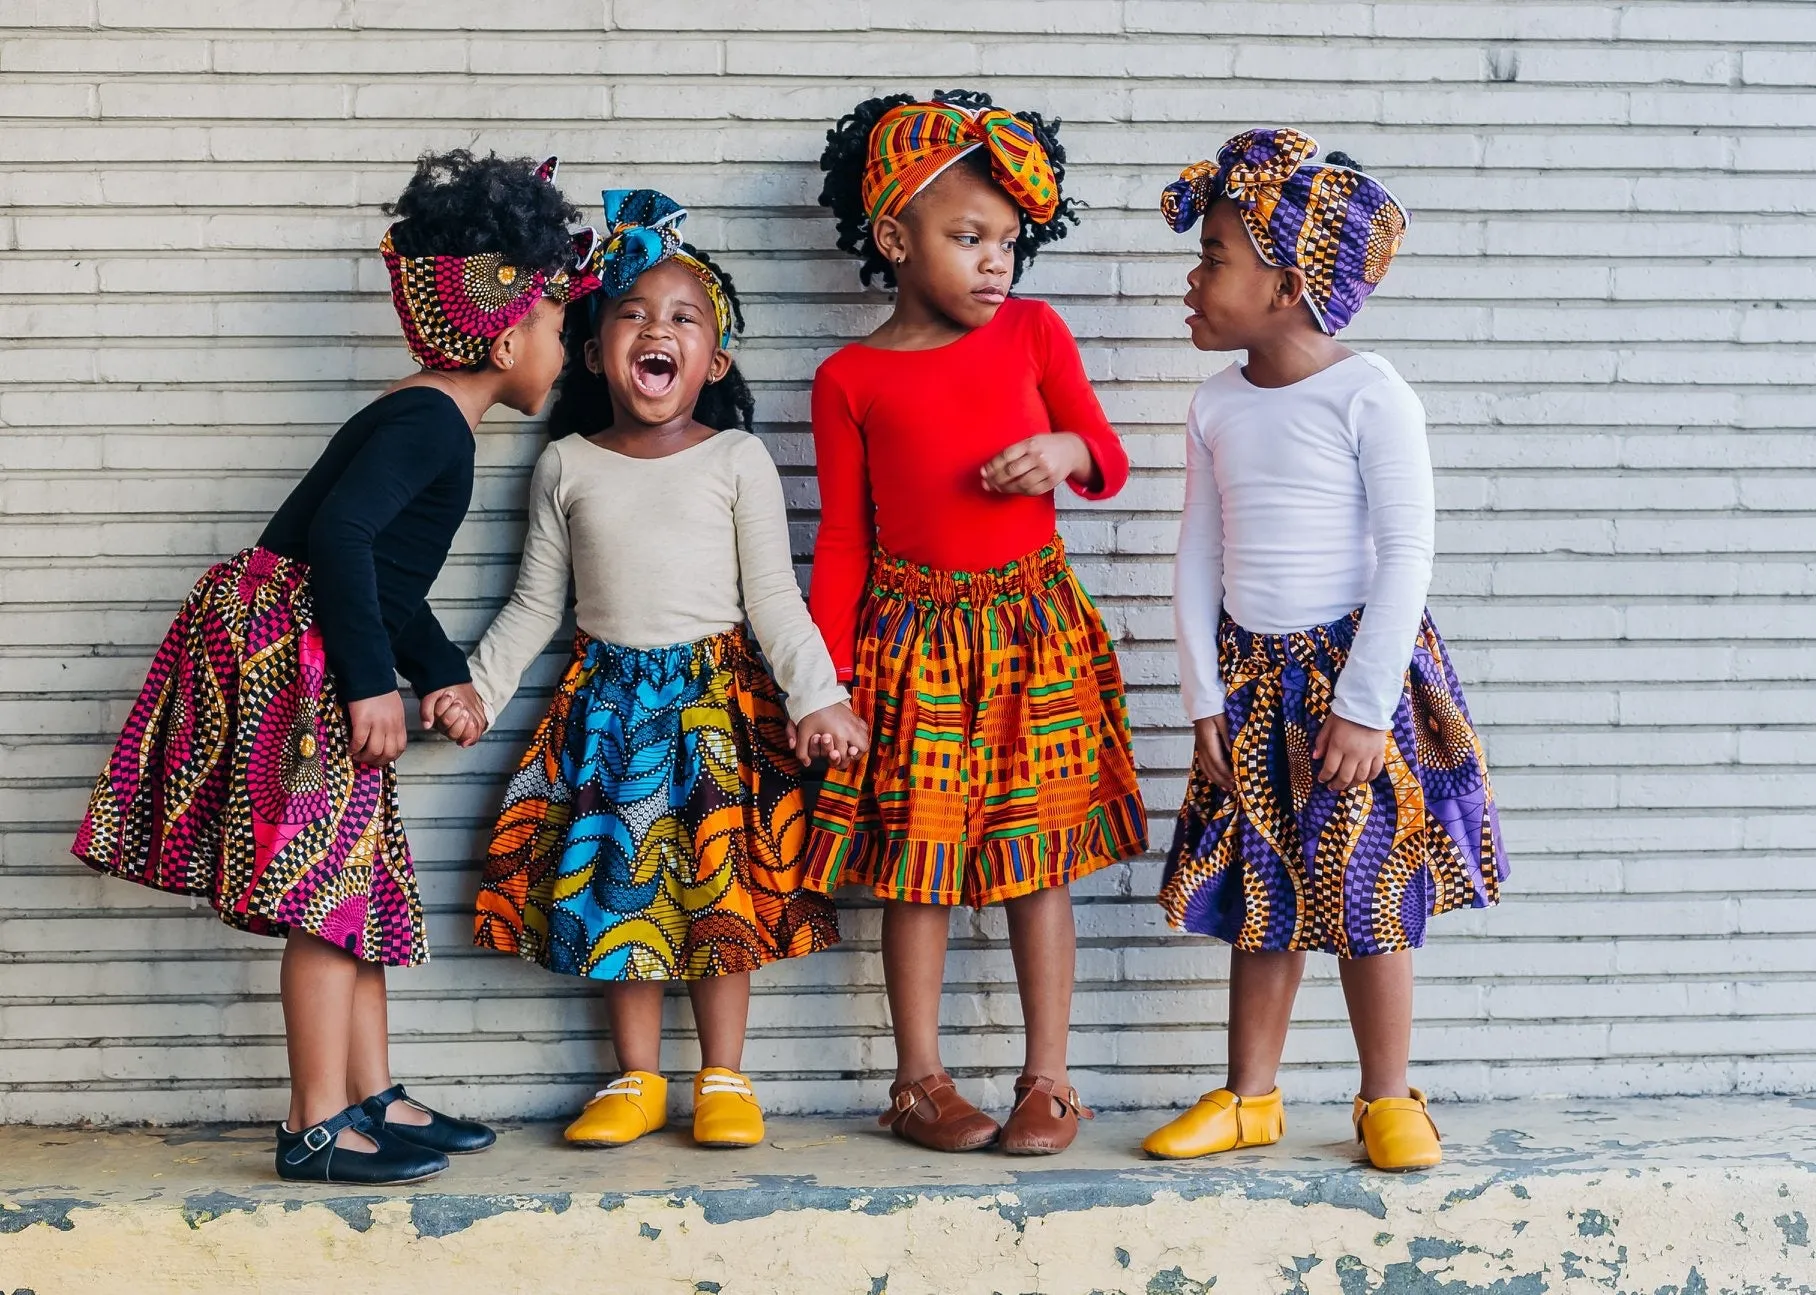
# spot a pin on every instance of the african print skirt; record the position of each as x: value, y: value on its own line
x: 231, y: 779
x: 654, y: 828
x: 1000, y: 756
x: 1286, y: 863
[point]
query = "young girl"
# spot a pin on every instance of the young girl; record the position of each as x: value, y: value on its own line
x: 655, y: 826
x: 1000, y: 765
x: 1339, y: 796
x: 256, y: 768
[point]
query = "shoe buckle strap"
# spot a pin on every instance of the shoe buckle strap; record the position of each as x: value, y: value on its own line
x: 319, y: 1137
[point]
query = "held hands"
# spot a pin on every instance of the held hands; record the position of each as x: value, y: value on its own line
x: 456, y: 712
x: 1352, y: 754
x: 378, y: 732
x: 834, y: 732
x: 1039, y: 465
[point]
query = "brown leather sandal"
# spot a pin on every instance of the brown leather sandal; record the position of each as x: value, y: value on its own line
x: 930, y: 1113
x: 1032, y: 1128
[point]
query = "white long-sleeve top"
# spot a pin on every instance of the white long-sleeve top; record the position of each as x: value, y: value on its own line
x: 1303, y: 503
x: 662, y: 551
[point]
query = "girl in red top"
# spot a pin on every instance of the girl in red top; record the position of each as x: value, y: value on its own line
x: 999, y: 767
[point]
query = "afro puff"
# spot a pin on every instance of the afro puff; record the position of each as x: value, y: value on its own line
x: 458, y: 204
x: 847, y: 150
x: 585, y: 403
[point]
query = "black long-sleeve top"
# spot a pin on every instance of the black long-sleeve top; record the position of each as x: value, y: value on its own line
x: 374, y: 519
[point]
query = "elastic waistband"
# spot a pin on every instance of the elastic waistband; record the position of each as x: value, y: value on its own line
x: 720, y: 647
x: 1301, y: 645
x: 1028, y: 575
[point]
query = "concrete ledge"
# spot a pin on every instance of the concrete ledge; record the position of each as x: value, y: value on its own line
x: 1664, y: 1197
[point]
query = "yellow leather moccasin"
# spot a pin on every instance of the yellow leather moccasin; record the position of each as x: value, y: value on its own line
x: 1398, y: 1133
x: 726, y: 1113
x: 624, y: 1110
x: 1221, y: 1121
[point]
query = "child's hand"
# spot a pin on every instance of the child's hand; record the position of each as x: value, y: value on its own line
x: 1352, y: 754
x: 1213, y: 733
x: 834, y: 732
x: 378, y: 730
x: 456, y: 712
x: 1038, y: 465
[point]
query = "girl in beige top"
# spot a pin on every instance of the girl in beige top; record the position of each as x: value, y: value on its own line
x: 654, y: 828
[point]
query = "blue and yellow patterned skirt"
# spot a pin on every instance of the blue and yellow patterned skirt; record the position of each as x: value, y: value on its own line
x: 655, y: 827
x: 1288, y: 864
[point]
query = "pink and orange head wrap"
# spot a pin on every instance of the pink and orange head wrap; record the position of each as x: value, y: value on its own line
x: 453, y: 308
x: 914, y: 143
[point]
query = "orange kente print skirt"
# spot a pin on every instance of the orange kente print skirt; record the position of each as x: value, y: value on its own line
x: 1000, y: 758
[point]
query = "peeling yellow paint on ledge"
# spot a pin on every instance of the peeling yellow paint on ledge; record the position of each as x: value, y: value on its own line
x: 1692, y: 1197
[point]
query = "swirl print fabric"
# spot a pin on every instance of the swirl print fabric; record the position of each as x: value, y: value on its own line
x: 231, y: 779
x: 1287, y: 864
x: 655, y: 826
x: 1000, y: 760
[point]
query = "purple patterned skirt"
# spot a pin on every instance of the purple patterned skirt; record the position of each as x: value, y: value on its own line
x: 1287, y: 864
x: 231, y: 779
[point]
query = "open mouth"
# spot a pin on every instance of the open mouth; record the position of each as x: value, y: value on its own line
x: 655, y: 373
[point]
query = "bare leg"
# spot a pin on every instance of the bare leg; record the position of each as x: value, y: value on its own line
x: 721, y: 1011
x: 914, y: 971
x: 634, y: 1008
x: 369, y: 1058
x: 1044, y: 941
x: 1379, y: 993
x: 1262, y: 989
x: 316, y: 983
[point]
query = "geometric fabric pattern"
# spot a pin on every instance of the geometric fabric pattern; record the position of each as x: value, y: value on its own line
x: 1337, y: 226
x: 654, y: 828
x: 231, y: 779
x: 1000, y: 759
x: 913, y: 143
x: 1287, y: 864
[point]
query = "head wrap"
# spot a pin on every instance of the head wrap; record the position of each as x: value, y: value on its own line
x: 913, y: 143
x: 1340, y: 228
x: 453, y: 308
x: 642, y: 230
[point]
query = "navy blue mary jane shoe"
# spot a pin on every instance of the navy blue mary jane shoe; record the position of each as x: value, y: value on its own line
x: 442, y: 1133
x: 313, y: 1156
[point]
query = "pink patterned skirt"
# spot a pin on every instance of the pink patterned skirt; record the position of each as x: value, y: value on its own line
x: 232, y: 780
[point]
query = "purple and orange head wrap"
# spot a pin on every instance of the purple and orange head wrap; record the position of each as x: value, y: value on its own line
x: 1337, y: 226
x: 914, y: 143
x: 453, y: 308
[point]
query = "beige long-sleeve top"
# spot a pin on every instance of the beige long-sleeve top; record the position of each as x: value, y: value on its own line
x: 662, y: 551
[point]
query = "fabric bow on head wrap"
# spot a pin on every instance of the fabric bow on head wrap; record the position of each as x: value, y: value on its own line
x: 642, y: 230
x: 1338, y: 227
x: 914, y: 143
x: 452, y: 308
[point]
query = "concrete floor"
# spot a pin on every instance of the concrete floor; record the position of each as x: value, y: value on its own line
x: 1665, y: 1197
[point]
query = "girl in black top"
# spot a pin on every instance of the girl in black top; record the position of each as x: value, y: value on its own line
x: 256, y: 767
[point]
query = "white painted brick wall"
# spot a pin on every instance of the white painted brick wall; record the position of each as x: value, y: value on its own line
x: 1608, y: 301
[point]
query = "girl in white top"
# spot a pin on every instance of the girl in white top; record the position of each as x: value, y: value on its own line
x: 654, y: 828
x: 1339, y: 795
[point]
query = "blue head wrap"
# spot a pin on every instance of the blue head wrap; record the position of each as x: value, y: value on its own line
x: 642, y: 230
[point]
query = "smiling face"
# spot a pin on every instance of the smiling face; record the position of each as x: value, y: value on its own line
x: 954, y: 245
x: 1235, y: 297
x: 657, y: 346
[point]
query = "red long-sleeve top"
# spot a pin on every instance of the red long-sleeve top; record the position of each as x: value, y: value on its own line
x: 900, y: 436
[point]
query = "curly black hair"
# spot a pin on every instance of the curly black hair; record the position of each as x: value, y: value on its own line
x: 458, y: 204
x: 585, y: 403
x: 848, y: 145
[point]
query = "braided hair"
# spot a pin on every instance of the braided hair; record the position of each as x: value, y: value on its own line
x: 848, y: 148
x: 458, y: 205
x: 585, y: 403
